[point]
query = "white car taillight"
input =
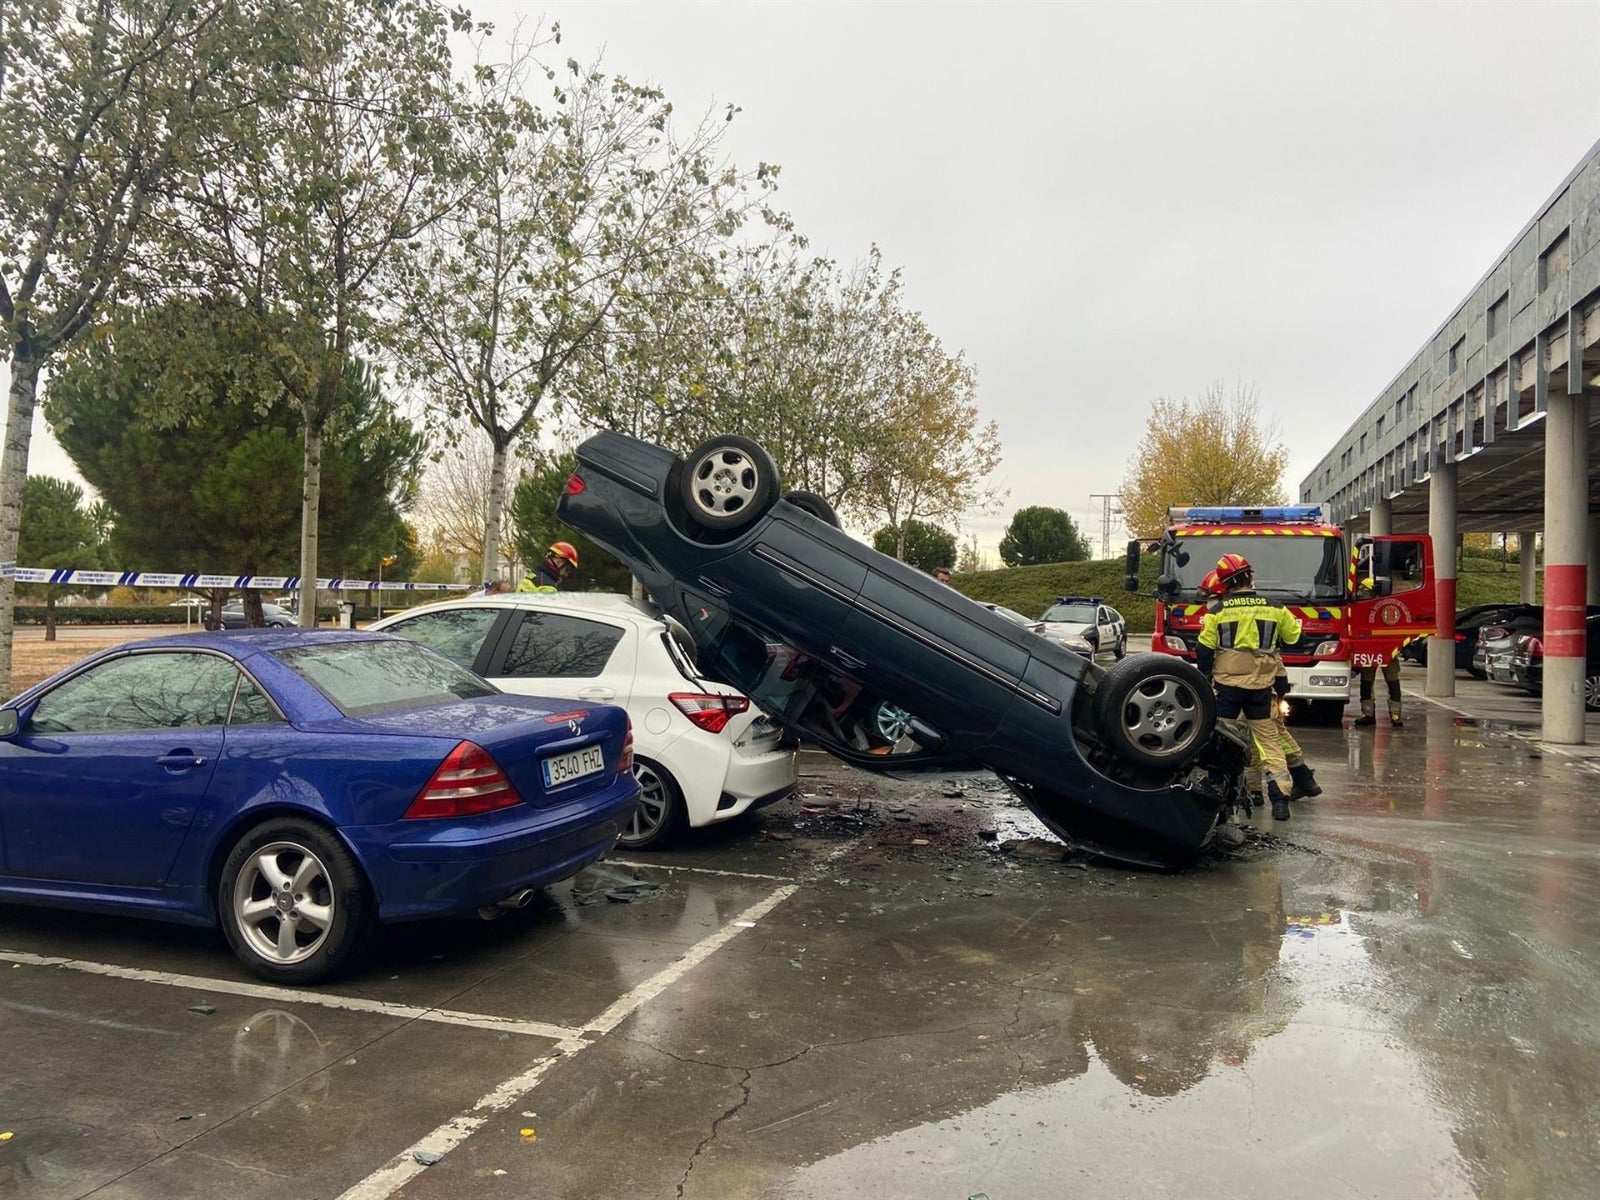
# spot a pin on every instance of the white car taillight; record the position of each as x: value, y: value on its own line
x: 709, y: 712
x: 467, y: 783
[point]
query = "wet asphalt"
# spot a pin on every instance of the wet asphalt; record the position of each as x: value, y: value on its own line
x: 887, y: 990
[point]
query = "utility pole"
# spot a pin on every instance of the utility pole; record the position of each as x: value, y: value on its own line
x: 1110, y: 506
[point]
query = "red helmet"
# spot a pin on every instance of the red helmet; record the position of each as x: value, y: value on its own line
x: 1211, y: 585
x: 565, y: 550
x: 1233, y: 570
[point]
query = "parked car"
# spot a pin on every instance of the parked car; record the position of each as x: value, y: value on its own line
x: 703, y: 753
x: 1072, y: 641
x: 233, y: 616
x: 1526, y: 665
x: 1469, y: 621
x: 1497, y: 639
x: 825, y: 634
x: 1087, y: 619
x: 298, y: 787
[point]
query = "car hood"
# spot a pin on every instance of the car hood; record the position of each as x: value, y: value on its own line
x: 1063, y: 629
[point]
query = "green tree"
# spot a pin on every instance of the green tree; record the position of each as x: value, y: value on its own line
x: 58, y: 530
x: 1038, y: 534
x: 534, y: 527
x: 102, y: 111
x: 1217, y: 449
x: 918, y: 544
x: 300, y: 226
x: 227, y: 474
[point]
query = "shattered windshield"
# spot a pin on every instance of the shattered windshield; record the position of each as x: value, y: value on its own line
x: 1311, y: 567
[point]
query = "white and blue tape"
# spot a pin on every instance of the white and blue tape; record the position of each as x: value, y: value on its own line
x: 159, y: 579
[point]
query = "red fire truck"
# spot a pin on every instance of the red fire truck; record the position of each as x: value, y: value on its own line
x: 1308, y: 566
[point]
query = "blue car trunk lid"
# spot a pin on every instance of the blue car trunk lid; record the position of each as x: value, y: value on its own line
x: 520, y: 733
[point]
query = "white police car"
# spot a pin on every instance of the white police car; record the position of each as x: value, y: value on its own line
x: 1087, y: 620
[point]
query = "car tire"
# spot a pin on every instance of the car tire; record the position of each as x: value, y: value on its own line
x: 1155, y: 711
x: 661, y: 815
x: 817, y: 506
x: 1120, y: 650
x: 293, y: 851
x: 728, y: 484
x: 1591, y: 693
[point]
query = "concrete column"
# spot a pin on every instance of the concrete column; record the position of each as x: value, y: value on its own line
x: 1566, y: 548
x: 1594, y: 558
x: 1442, y: 529
x: 1530, y: 566
x: 1381, y: 519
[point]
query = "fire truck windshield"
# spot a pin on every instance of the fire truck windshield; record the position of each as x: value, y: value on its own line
x: 1308, y: 567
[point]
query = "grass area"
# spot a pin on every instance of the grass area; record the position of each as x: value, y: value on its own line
x: 1483, y: 579
x: 32, y: 661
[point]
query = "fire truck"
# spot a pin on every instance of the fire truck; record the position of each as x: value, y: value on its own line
x: 1358, y: 602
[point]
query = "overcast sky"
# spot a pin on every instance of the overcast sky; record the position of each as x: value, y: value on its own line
x: 1103, y: 204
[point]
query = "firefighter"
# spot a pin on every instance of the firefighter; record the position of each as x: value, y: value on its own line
x: 1238, y: 653
x: 1369, y: 677
x: 1305, y: 780
x: 552, y: 571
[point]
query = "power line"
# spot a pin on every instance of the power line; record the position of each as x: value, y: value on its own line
x: 1111, y: 506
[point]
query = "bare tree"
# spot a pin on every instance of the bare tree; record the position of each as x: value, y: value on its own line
x: 456, y: 496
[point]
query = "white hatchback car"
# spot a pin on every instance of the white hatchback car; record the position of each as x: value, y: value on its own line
x: 702, y: 752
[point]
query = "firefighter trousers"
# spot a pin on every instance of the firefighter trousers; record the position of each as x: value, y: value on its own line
x: 1391, y: 677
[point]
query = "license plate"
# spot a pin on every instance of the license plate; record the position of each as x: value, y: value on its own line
x: 561, y: 769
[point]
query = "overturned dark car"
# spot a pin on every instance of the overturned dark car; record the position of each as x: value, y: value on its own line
x: 894, y: 672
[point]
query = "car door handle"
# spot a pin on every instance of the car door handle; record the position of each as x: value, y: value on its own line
x: 845, y: 658
x: 180, y: 760
x: 600, y: 694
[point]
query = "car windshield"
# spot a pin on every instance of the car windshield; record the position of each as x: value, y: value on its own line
x: 1310, y: 567
x: 361, y: 678
x: 1075, y: 614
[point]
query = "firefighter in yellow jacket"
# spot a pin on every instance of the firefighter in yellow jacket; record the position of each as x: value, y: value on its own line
x: 1238, y: 652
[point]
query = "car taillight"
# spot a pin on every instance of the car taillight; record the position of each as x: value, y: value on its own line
x: 467, y: 783
x: 625, y: 759
x: 1534, y: 648
x: 574, y: 485
x: 710, y: 713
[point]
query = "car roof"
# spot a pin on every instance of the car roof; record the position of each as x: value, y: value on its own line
x: 609, y: 604
x: 242, y: 643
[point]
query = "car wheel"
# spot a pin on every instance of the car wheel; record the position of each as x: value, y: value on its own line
x: 728, y: 484
x: 294, y: 905
x: 1591, y: 693
x: 1155, y: 711
x: 814, y: 504
x: 660, y: 815
x: 1120, y: 650
x: 890, y: 722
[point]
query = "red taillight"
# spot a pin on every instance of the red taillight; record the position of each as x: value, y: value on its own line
x: 574, y: 485
x: 1535, y: 648
x: 468, y: 782
x: 625, y: 759
x: 710, y: 713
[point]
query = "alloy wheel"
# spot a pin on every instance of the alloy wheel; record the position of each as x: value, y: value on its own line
x: 1162, y: 715
x: 655, y: 806
x: 726, y: 482
x: 284, y: 903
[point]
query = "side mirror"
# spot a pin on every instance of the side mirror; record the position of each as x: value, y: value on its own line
x: 1131, y: 582
x: 1181, y: 558
x: 1167, y: 588
x: 8, y: 724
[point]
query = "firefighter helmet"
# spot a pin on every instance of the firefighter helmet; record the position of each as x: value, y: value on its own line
x: 565, y: 550
x: 1233, y: 570
x: 1211, y: 585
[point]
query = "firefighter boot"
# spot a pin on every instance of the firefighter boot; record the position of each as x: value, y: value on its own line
x: 1305, y: 783
x: 1280, y: 802
x: 1395, y: 717
x: 1369, y: 714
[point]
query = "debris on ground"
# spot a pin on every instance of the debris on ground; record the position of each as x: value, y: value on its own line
x: 627, y: 893
x: 205, y: 1010
x: 426, y: 1157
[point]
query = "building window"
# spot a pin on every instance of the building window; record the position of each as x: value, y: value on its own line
x: 1495, y: 321
x: 1553, y: 262
x: 1457, y: 353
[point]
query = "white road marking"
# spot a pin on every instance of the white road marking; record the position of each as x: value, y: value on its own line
x: 650, y: 866
x: 404, y: 1167
x: 266, y: 991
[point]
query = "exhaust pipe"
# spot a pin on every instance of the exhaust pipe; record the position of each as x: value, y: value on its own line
x: 517, y: 899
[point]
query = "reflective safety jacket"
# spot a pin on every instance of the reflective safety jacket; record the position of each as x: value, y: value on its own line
x: 1239, y: 640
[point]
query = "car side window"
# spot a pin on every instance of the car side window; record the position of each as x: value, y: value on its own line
x: 552, y: 645
x: 251, y: 706
x: 456, y: 633
x: 140, y: 692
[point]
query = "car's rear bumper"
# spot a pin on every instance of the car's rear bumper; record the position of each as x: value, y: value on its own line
x: 756, y: 780
x: 441, y: 868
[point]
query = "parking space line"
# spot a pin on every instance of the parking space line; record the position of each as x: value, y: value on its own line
x: 626, y: 862
x: 267, y: 991
x: 404, y: 1167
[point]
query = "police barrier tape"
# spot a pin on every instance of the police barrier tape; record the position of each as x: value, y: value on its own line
x: 156, y: 579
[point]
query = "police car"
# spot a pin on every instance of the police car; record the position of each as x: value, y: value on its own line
x: 1087, y: 620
